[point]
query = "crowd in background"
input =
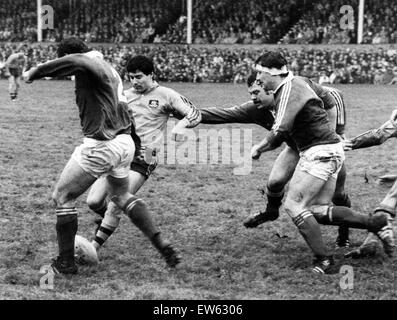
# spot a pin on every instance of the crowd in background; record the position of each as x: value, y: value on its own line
x: 209, y: 64
x: 223, y: 21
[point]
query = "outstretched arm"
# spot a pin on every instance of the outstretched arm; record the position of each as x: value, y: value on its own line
x: 375, y: 137
x: 236, y: 114
x: 65, y: 66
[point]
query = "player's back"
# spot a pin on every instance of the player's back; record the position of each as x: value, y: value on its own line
x: 301, y: 115
x: 98, y: 93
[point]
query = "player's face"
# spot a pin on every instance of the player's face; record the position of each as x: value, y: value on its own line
x: 266, y: 80
x: 140, y: 81
x: 260, y: 96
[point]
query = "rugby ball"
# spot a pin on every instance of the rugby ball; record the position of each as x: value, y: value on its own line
x: 84, y: 252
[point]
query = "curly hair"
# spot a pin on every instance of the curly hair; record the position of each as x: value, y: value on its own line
x: 71, y: 45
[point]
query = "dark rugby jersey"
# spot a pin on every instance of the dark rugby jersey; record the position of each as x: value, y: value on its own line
x: 99, y: 91
x: 324, y: 94
x: 248, y: 112
x: 331, y: 97
x: 340, y: 109
x: 300, y: 115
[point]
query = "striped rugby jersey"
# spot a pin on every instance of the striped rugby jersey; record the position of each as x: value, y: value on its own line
x: 300, y: 115
x: 151, y: 111
x: 340, y: 109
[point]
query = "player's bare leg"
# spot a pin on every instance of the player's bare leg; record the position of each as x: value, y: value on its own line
x: 303, y: 190
x: 73, y: 182
x: 282, y: 171
x: 341, y: 198
x: 13, y: 87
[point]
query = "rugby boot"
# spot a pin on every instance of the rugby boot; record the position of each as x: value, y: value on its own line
x: 270, y: 214
x: 323, y: 265
x: 64, y: 266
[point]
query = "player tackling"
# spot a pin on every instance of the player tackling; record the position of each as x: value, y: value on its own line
x: 300, y: 116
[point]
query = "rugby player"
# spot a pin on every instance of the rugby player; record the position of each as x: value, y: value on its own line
x: 259, y: 111
x: 151, y: 105
x: 389, y: 204
x: 107, y: 148
x: 15, y: 66
x: 300, y: 116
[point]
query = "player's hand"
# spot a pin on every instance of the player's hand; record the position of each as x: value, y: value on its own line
x: 393, y: 117
x: 347, y: 145
x: 179, y: 131
x: 255, y: 153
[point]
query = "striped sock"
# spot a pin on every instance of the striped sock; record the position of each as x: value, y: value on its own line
x: 108, y: 226
x: 310, y: 231
x: 66, y: 227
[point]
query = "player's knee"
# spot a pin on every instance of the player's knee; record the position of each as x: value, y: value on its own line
x: 94, y: 203
x: 275, y: 184
x: 135, y: 205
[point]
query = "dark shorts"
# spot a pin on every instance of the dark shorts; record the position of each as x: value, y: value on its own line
x: 15, y: 72
x: 145, y: 161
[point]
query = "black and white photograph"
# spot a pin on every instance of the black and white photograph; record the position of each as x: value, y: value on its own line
x: 222, y: 152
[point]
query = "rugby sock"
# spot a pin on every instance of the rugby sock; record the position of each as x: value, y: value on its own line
x: 108, y: 226
x: 274, y: 197
x: 346, y: 217
x: 310, y: 231
x: 140, y: 216
x: 66, y: 227
x: 344, y: 201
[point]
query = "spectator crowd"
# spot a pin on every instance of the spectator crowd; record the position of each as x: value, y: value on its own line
x: 185, y: 63
x: 219, y: 22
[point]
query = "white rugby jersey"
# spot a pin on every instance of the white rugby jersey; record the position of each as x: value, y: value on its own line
x: 152, y: 109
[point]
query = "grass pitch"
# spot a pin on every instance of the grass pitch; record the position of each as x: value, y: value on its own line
x: 198, y: 207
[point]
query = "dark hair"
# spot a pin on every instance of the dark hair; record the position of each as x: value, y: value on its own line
x: 272, y: 59
x: 251, y: 78
x: 71, y: 45
x: 141, y: 63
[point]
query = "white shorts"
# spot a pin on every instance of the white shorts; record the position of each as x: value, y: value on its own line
x: 322, y: 161
x: 110, y: 157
